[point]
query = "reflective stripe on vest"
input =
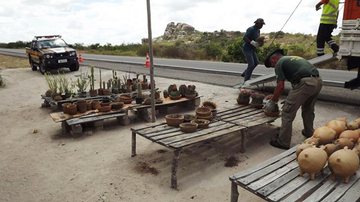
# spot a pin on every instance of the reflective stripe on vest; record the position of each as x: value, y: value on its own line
x: 330, y: 12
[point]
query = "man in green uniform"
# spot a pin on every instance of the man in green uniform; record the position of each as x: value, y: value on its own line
x: 306, y: 86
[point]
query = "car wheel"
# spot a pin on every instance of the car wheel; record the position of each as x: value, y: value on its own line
x: 74, y: 67
x: 42, y: 68
x: 32, y: 65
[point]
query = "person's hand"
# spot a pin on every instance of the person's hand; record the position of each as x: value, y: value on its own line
x: 318, y: 7
x: 254, y: 43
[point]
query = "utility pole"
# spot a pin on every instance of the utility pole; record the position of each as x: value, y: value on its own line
x: 152, y: 82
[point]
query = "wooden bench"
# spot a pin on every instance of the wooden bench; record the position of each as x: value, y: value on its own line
x: 235, y: 120
x: 278, y: 179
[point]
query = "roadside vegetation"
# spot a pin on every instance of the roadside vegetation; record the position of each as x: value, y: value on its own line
x: 216, y: 46
x: 13, y: 62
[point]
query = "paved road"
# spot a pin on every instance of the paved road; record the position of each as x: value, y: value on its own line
x: 217, y: 73
x: 338, y: 77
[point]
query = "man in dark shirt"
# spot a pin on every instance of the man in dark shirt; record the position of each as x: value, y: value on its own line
x: 249, y: 48
x: 306, y: 86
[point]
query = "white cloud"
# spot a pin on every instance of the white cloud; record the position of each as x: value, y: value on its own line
x: 116, y: 22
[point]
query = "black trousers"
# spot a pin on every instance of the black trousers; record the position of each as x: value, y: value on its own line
x: 324, y: 35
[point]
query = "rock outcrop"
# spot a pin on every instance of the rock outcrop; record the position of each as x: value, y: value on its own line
x: 175, y: 31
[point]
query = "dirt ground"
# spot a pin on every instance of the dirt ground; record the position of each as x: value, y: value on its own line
x: 38, y: 163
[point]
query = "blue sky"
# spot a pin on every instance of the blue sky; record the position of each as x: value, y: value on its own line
x: 125, y: 21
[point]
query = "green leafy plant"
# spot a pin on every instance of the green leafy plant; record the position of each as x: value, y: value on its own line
x: 52, y: 82
x: 82, y: 82
x: 65, y: 85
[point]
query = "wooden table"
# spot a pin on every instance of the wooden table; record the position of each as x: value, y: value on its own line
x: 277, y: 179
x: 235, y: 120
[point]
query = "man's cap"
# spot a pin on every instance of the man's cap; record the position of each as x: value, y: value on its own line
x: 259, y: 21
x: 267, y: 59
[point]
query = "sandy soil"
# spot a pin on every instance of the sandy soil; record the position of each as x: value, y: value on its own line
x: 38, y: 163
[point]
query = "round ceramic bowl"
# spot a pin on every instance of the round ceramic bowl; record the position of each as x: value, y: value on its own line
x: 174, y: 119
x: 202, y: 123
x: 188, y: 127
x: 203, y: 111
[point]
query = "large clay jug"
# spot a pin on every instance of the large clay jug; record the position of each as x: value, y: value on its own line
x: 312, y: 161
x: 344, y: 163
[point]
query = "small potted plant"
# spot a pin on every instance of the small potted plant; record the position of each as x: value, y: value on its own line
x: 81, y: 84
x: 92, y: 90
x: 139, y: 96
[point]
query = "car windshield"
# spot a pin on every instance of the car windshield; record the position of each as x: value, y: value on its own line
x: 53, y: 43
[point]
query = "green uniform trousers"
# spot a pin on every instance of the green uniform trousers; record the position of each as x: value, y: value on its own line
x: 302, y: 94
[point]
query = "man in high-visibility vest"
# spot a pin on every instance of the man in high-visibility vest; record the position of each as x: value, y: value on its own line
x: 328, y: 22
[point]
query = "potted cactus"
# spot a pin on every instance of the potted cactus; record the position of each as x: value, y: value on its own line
x: 92, y: 90
x: 139, y: 96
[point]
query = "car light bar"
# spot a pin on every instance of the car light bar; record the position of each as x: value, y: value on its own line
x: 48, y: 36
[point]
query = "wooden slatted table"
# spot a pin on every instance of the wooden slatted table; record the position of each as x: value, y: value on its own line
x: 278, y: 179
x: 235, y: 120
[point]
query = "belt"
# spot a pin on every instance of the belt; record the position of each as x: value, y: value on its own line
x: 296, y: 81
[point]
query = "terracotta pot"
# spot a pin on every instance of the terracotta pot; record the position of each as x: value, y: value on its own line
x: 188, y: 117
x: 302, y: 147
x: 116, y: 105
x: 105, y: 108
x: 353, y: 125
x: 188, y: 127
x: 209, y: 104
x: 243, y: 99
x: 165, y: 94
x: 126, y: 99
x: 81, y: 106
x: 257, y: 100
x: 312, y: 161
x: 174, y: 119
x: 101, y: 91
x: 350, y: 134
x: 337, y: 125
x: 95, y: 104
x: 344, y: 142
x: 210, y: 117
x: 331, y: 148
x: 325, y: 134
x: 70, y: 109
x: 203, y: 111
x: 312, y: 140
x: 202, y: 123
x: 93, y: 93
x: 106, y: 92
x: 88, y: 105
x: 344, y: 163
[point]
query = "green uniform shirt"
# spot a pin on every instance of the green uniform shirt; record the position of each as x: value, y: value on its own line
x: 293, y: 68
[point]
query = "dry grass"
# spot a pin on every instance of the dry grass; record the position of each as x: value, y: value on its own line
x: 13, y: 62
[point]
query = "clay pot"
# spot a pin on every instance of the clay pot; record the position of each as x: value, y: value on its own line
x: 126, y: 99
x: 344, y: 163
x: 88, y: 105
x: 257, y: 100
x: 48, y: 93
x: 81, y: 106
x: 302, y: 147
x: 93, y: 93
x: 353, y: 125
x: 209, y: 117
x: 312, y: 140
x: 116, y: 105
x: 106, y: 92
x: 172, y: 87
x: 57, y: 97
x: 312, y: 161
x: 337, y: 125
x: 209, y: 104
x: 105, y: 108
x: 350, y: 134
x: 188, y: 127
x: 344, y: 142
x: 95, y: 104
x: 70, y: 109
x: 174, y: 119
x: 325, y: 134
x: 174, y: 95
x: 188, y: 117
x: 202, y: 123
x: 331, y: 148
x: 101, y: 91
x: 139, y: 100
x: 243, y: 98
x: 203, y: 111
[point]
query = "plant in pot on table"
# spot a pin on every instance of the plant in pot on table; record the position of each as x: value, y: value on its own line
x: 66, y: 86
x: 52, y: 84
x: 92, y: 90
x: 82, y: 84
